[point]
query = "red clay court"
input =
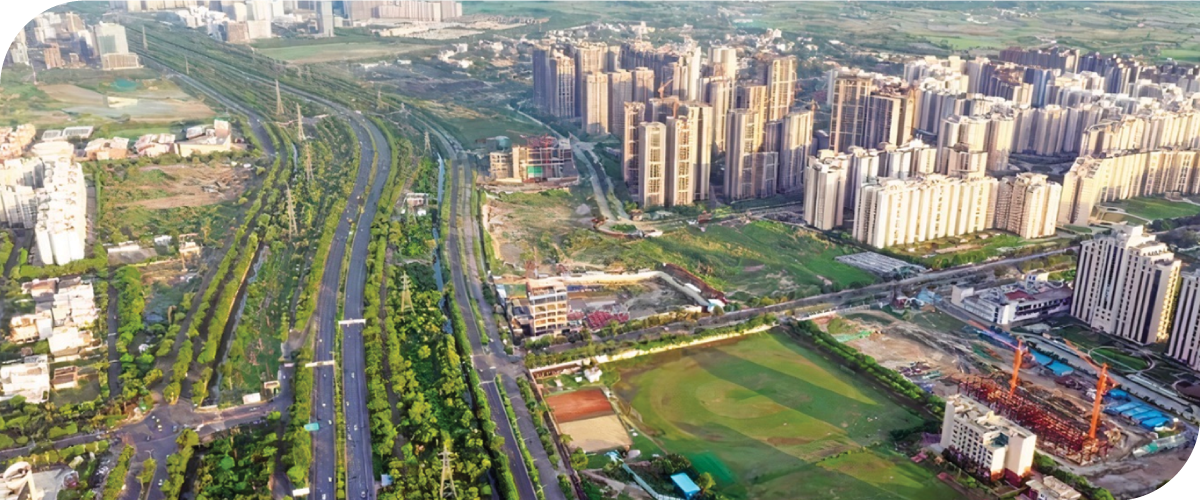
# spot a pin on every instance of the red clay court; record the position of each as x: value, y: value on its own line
x: 579, y: 405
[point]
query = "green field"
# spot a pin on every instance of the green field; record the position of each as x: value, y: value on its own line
x: 759, y: 258
x: 329, y: 52
x: 770, y: 419
x: 1120, y: 359
x: 1156, y: 208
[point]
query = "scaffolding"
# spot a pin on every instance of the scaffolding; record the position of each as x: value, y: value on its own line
x: 1061, y: 435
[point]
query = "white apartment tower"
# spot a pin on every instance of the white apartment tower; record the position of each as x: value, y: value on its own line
x: 825, y: 190
x: 594, y: 100
x: 988, y: 443
x: 1125, y: 285
x: 1027, y: 205
x: 652, y: 164
x: 1185, y: 337
x: 795, y: 146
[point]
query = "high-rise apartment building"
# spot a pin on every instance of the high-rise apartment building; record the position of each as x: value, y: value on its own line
x: 652, y: 164
x: 718, y: 93
x: 724, y: 62
x: 553, y: 82
x: 1091, y: 181
x: 912, y: 159
x: 589, y: 58
x: 825, y: 190
x: 743, y: 138
x: 594, y: 98
x: 1027, y: 204
x: 1125, y: 285
x: 900, y: 212
x: 682, y: 152
x: 848, y: 93
x: 630, y: 140
x: 781, y: 87
x: 620, y: 91
x: 643, y: 85
x: 890, y: 117
x: 1185, y: 336
x: 795, y: 147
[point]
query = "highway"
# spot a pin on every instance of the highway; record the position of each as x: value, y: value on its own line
x: 375, y: 153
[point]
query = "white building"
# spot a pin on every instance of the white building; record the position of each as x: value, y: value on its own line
x: 1125, y: 285
x: 990, y: 444
x: 1185, y: 337
x: 901, y: 212
x: 60, y: 232
x: 1050, y: 488
x: 1028, y: 300
x: 29, y: 378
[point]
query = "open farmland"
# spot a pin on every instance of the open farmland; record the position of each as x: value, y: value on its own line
x: 770, y: 419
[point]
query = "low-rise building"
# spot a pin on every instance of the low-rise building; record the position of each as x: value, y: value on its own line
x: 66, y: 377
x: 547, y: 306
x: 152, y: 145
x: 1051, y: 488
x: 116, y: 148
x: 985, y: 443
x: 14, y: 140
x: 1029, y: 300
x: 29, y: 378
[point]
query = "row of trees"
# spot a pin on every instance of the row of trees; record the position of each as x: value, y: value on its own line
x: 549, y: 358
x: 866, y: 365
x: 116, y: 478
x: 177, y: 463
x: 512, y: 421
x: 208, y: 307
x: 297, y: 442
x: 538, y: 412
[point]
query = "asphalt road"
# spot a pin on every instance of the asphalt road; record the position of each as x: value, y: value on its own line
x: 835, y: 298
x: 360, y: 472
x: 486, y: 363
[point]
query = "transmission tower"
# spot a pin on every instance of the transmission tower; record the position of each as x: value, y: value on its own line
x: 145, y: 46
x: 278, y: 100
x: 291, y: 208
x: 187, y: 68
x: 308, y: 163
x: 378, y: 99
x: 447, y: 472
x: 406, y: 304
x: 299, y: 124
x: 426, y: 142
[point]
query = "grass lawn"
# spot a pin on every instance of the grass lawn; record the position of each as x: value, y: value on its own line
x: 756, y: 258
x: 1156, y: 208
x: 1119, y: 358
x: 770, y: 419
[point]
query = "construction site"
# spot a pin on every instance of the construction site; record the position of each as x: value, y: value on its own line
x: 1085, y: 421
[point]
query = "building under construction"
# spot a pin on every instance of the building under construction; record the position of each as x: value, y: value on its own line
x: 1058, y: 433
x: 542, y: 158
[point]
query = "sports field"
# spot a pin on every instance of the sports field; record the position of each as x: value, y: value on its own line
x: 770, y: 419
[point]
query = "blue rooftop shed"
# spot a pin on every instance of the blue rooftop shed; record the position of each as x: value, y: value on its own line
x: 685, y: 485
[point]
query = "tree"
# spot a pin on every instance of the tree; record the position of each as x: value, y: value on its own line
x: 578, y: 458
x: 148, y: 468
x: 706, y: 482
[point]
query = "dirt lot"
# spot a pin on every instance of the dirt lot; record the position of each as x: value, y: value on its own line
x: 579, y: 405
x: 597, y: 434
x: 190, y: 186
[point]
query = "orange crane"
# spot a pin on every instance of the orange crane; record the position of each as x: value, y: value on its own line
x: 1103, y: 385
x: 1019, y: 353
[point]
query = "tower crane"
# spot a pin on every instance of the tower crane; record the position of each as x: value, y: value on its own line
x: 1103, y: 385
